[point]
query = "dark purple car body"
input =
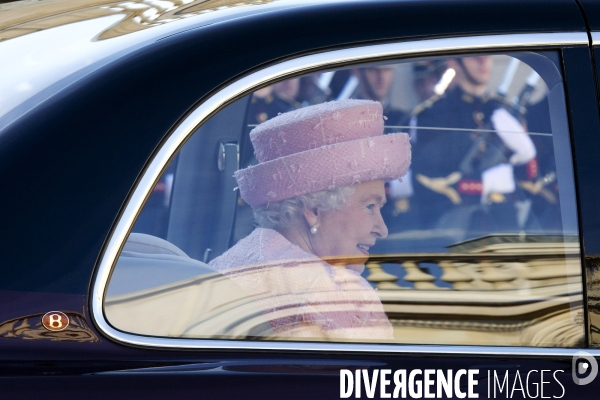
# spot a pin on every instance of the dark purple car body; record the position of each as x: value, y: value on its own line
x: 71, y: 154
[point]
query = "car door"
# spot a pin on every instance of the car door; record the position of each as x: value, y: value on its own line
x: 200, y: 138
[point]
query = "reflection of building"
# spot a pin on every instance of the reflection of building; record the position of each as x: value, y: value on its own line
x: 593, y: 297
x: 503, y: 290
x: 203, y: 306
x: 139, y: 14
x: 496, y: 290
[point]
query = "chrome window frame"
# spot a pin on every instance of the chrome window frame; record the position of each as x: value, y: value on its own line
x: 245, y: 85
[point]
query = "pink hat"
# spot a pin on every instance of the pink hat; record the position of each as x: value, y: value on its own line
x: 340, y: 143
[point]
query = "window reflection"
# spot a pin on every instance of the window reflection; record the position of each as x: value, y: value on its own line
x: 338, y: 233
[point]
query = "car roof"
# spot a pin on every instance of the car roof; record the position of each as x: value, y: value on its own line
x: 29, y: 16
x: 24, y: 17
x: 44, y: 42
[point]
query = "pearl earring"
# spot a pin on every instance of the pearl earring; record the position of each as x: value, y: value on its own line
x: 313, y: 230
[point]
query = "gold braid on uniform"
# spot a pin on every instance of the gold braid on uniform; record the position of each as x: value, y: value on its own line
x: 443, y: 185
x: 538, y: 187
x: 419, y: 108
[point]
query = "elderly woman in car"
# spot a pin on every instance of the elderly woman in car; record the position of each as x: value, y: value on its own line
x: 317, y: 193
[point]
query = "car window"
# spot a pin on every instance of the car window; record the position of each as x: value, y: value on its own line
x: 416, y: 201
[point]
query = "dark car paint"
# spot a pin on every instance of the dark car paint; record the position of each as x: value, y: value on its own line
x: 592, y: 13
x: 68, y: 165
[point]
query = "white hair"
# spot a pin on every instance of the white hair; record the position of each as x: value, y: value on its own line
x: 285, y: 213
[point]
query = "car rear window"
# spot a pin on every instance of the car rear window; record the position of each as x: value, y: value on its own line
x: 281, y: 217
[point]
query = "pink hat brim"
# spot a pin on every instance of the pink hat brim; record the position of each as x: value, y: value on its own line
x: 384, y: 157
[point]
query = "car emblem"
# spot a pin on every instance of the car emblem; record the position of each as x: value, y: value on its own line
x: 55, y: 321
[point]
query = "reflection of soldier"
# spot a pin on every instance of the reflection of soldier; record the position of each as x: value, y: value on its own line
x: 287, y: 92
x: 426, y: 74
x: 310, y: 93
x: 541, y: 184
x: 375, y: 83
x: 465, y: 179
x: 266, y: 104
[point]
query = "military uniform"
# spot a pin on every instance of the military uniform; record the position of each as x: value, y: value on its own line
x: 539, y: 181
x: 465, y: 178
x: 309, y: 93
x: 426, y: 74
x: 394, y: 116
x: 265, y: 108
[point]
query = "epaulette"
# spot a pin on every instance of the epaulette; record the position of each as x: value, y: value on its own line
x: 419, y: 108
x: 291, y: 102
x: 500, y: 99
x: 515, y: 109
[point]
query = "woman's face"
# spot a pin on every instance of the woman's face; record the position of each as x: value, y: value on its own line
x: 354, y: 229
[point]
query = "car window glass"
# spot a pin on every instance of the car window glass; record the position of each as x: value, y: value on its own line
x: 302, y: 230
